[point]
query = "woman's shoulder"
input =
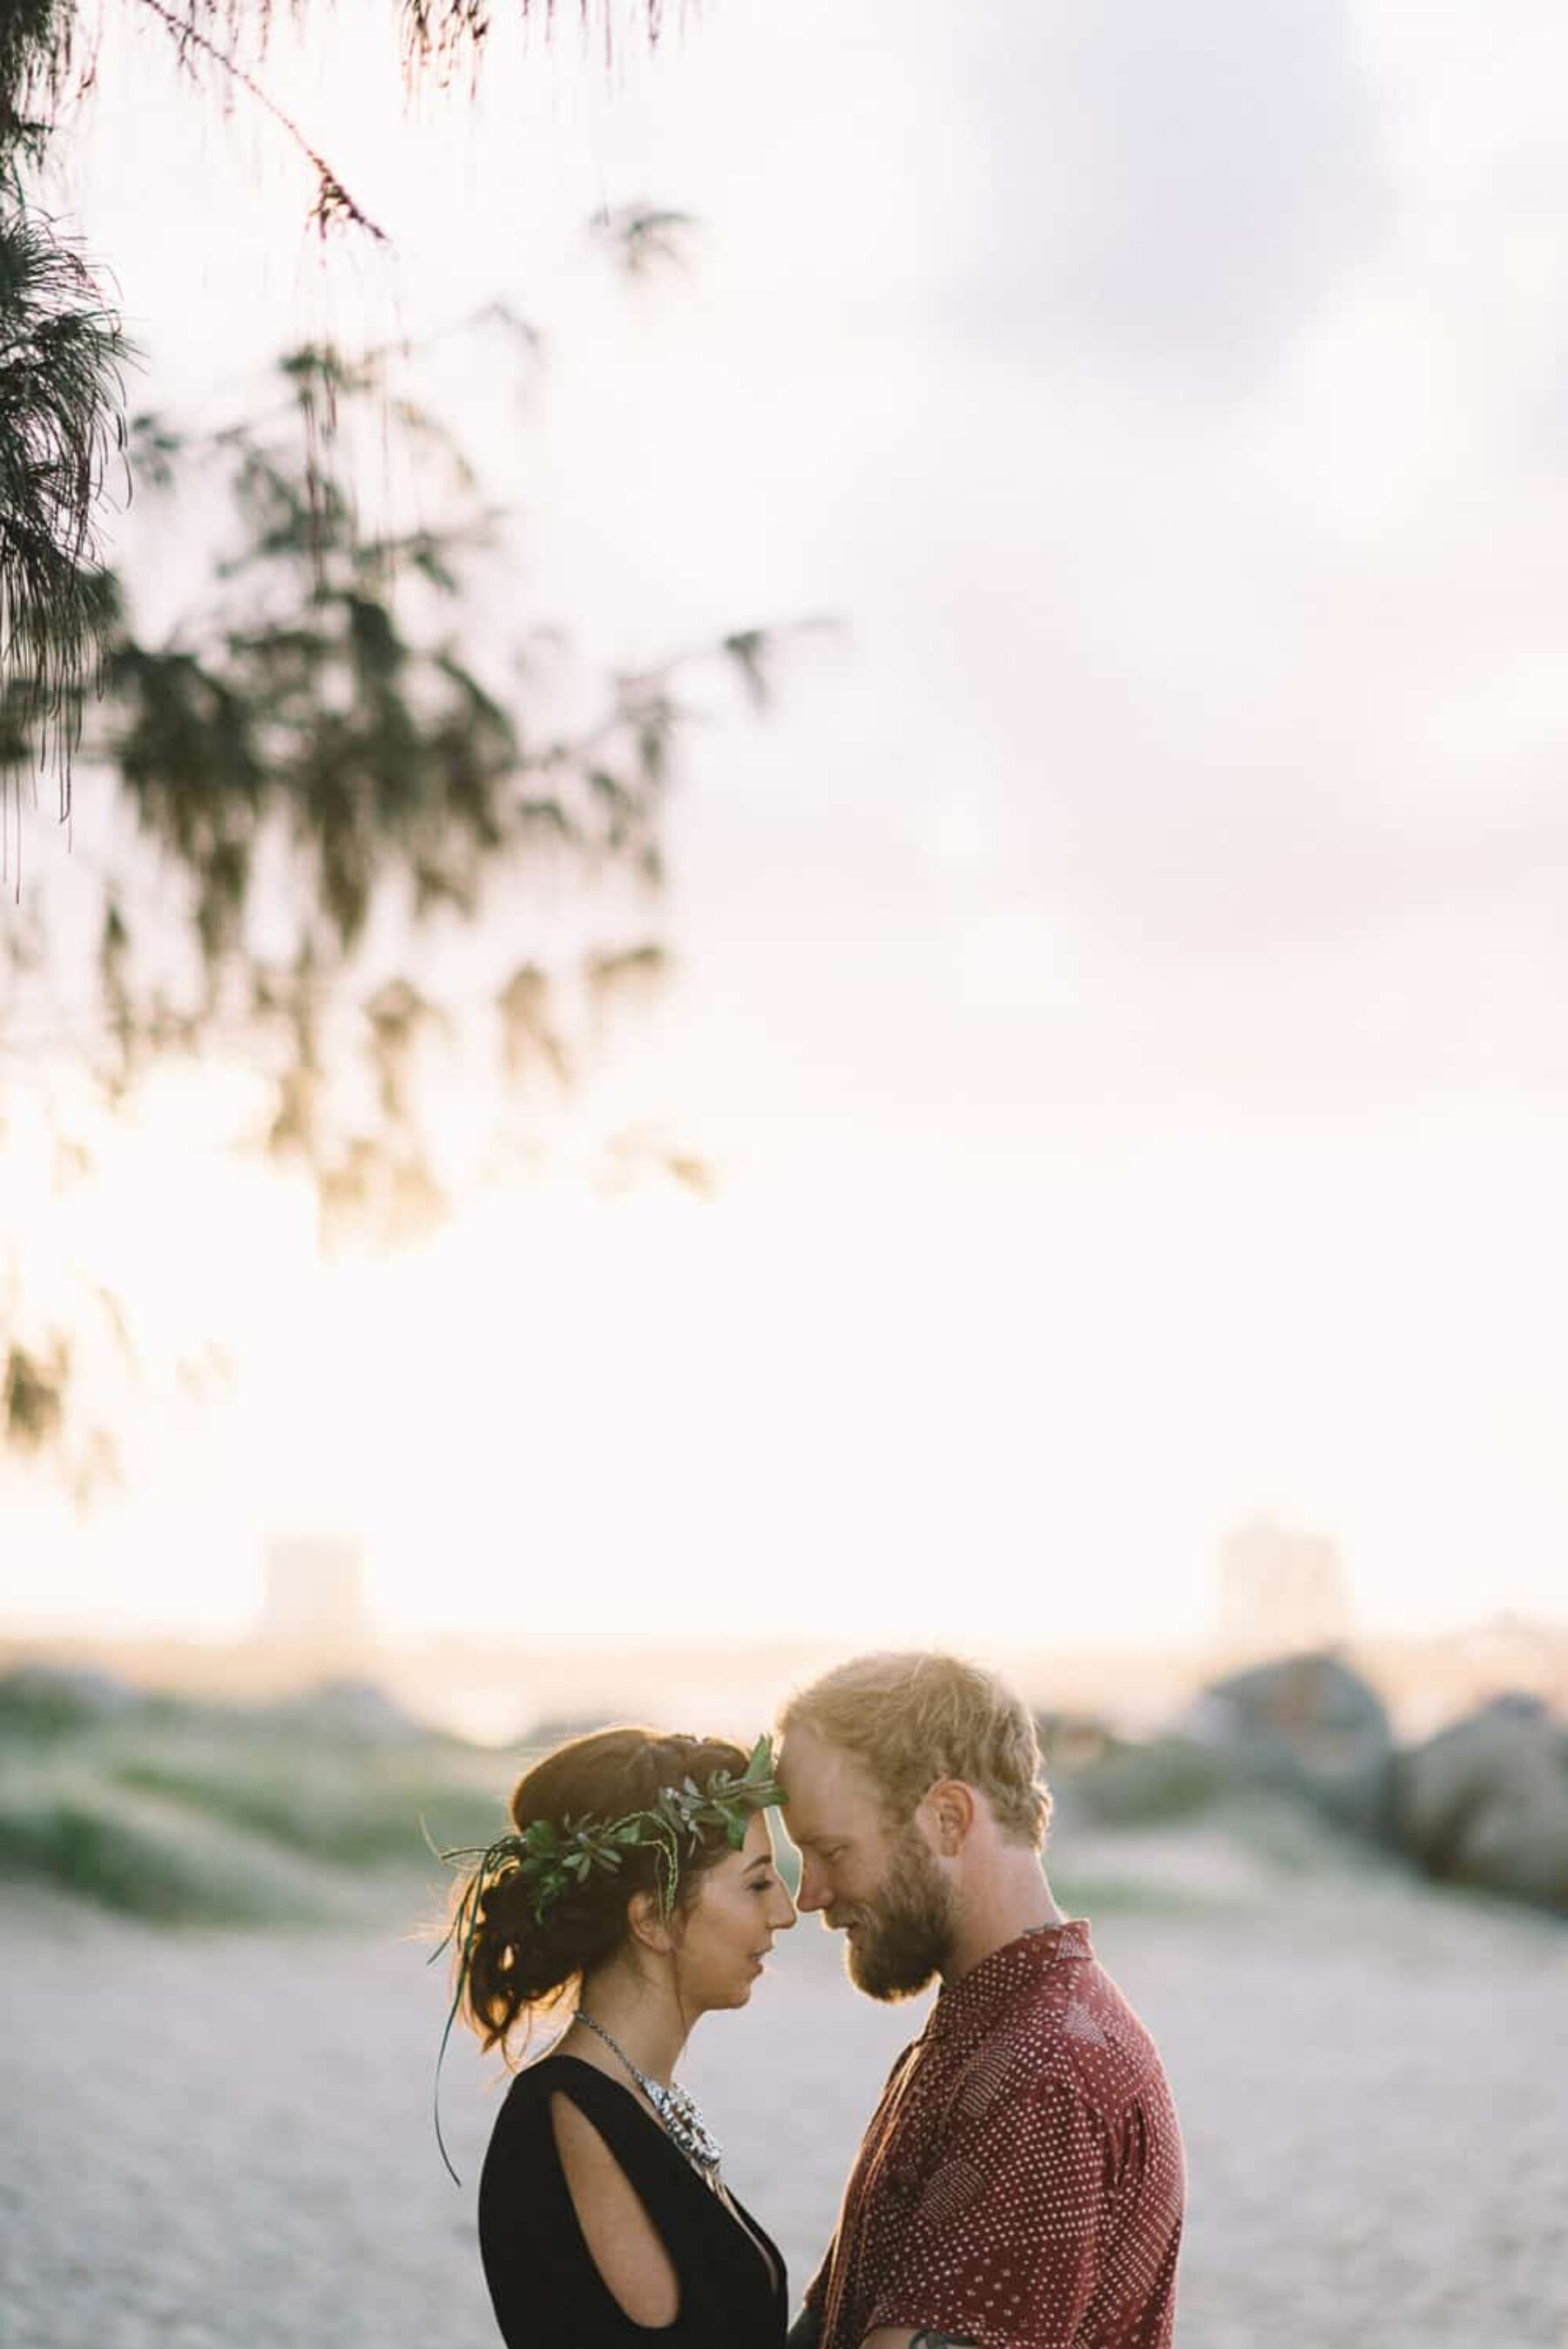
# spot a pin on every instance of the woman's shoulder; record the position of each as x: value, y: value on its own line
x: 527, y: 2119
x: 553, y: 2075
x: 531, y: 2078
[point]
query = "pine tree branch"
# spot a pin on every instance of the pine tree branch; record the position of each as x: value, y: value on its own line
x: 333, y: 201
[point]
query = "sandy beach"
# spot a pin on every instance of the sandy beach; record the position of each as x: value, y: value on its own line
x: 224, y: 2138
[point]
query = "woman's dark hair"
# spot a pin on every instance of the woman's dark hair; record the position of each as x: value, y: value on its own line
x: 520, y: 1965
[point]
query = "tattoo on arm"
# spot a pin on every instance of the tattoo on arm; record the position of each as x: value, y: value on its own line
x: 928, y: 2340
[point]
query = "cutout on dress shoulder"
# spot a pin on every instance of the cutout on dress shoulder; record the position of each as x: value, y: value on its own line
x: 623, y: 2241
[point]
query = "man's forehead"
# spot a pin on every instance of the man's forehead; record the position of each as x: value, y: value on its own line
x: 822, y: 1782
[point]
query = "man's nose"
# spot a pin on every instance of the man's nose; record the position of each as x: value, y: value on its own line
x: 813, y: 1894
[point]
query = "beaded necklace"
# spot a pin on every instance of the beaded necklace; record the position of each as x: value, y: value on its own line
x: 679, y: 2115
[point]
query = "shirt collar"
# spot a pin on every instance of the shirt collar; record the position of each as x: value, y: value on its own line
x: 981, y: 1994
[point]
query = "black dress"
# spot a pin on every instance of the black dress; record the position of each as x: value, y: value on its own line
x: 547, y: 2291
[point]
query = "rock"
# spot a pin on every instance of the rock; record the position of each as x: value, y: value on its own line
x: 1485, y: 1802
x: 1071, y: 1742
x: 1307, y: 1723
x: 1145, y: 1785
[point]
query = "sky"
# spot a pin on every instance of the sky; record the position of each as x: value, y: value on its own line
x: 1120, y: 986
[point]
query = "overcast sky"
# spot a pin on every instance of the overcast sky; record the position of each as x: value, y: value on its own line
x: 1123, y: 984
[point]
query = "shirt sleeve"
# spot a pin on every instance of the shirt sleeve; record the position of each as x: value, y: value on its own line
x: 815, y: 2295
x: 1003, y: 2242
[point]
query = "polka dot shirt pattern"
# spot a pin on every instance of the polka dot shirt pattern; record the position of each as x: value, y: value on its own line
x: 1021, y: 2182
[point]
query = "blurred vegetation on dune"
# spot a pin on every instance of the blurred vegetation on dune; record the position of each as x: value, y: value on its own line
x: 197, y: 1812
x: 185, y: 1811
x: 189, y: 1812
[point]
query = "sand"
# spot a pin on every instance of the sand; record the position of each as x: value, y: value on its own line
x: 225, y: 2139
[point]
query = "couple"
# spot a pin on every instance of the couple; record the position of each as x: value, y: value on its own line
x: 1020, y: 2185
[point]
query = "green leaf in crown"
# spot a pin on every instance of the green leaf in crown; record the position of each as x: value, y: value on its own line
x: 552, y: 1860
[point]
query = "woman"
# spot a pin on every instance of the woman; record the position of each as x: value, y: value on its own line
x: 636, y: 1891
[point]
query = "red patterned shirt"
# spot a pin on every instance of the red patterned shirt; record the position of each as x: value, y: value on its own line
x: 1021, y: 2184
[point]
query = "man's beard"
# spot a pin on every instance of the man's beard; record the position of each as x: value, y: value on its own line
x: 905, y: 1934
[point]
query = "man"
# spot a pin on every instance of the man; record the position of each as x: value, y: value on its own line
x: 1021, y: 2182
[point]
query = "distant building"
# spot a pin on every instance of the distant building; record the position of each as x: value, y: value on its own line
x: 1281, y: 1592
x: 314, y: 1600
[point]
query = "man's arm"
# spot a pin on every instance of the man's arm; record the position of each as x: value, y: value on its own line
x: 898, y: 2336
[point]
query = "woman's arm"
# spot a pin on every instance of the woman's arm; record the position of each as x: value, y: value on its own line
x: 623, y: 2242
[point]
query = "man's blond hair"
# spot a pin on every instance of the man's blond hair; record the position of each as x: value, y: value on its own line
x: 912, y: 1719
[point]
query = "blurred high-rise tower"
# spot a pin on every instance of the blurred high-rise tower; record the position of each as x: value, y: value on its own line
x: 1280, y: 1591
x: 315, y: 1600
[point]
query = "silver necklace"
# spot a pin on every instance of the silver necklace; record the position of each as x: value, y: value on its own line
x: 681, y: 2119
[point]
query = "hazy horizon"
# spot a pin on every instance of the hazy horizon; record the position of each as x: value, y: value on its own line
x: 493, y: 1692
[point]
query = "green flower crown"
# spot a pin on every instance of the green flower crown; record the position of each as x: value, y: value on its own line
x: 552, y: 1860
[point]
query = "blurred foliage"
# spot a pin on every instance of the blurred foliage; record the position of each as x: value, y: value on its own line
x: 61, y: 422
x: 317, y: 766
x: 642, y: 238
x: 314, y: 764
x: 62, y: 344
x: 189, y: 1812
x: 84, y: 1840
x: 318, y: 793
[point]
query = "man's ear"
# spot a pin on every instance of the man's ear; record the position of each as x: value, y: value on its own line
x: 647, y: 1925
x: 950, y: 1808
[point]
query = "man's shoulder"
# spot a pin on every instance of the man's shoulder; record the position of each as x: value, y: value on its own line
x: 1073, y: 2034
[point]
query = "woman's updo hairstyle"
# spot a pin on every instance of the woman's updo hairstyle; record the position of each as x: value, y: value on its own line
x: 519, y: 1965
